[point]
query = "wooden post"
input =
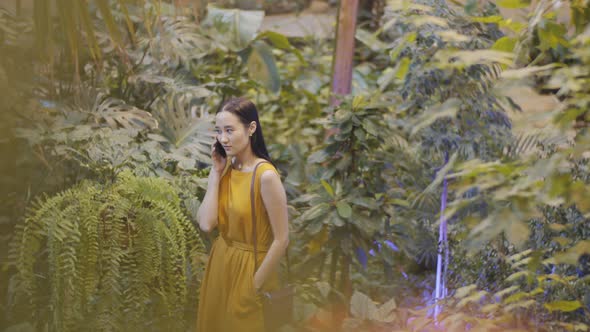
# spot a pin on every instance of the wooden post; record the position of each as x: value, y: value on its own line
x: 344, y: 50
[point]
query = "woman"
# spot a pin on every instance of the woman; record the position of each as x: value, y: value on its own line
x: 229, y: 298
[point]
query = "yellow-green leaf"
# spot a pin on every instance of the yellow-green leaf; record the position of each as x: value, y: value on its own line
x: 513, y: 4
x: 328, y: 188
x: 565, y: 306
x: 344, y: 210
x: 402, y: 68
x: 464, y: 291
x: 504, y: 44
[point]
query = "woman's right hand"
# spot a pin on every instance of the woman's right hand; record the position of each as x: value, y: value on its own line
x: 218, y: 160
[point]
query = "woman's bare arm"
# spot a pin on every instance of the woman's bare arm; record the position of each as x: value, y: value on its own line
x: 275, y: 202
x: 207, y: 214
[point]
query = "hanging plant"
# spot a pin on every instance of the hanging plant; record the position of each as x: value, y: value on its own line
x: 107, y: 257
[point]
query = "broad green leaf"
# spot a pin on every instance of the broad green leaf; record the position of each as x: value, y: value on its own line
x: 551, y: 35
x: 565, y: 306
x: 116, y: 112
x: 262, y: 66
x: 239, y: 26
x: 328, y: 188
x: 517, y: 232
x: 344, y: 209
x: 504, y: 44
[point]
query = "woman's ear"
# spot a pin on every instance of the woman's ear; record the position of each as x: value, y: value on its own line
x: 252, y: 128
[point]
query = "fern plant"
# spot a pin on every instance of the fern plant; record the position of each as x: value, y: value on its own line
x: 107, y: 257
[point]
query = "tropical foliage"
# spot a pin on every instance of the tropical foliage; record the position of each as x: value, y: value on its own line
x: 108, y: 132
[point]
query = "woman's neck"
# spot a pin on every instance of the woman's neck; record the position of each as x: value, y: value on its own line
x: 245, y: 160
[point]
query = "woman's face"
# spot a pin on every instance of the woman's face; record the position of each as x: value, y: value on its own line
x: 231, y: 133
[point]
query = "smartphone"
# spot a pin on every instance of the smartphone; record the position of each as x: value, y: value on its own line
x: 219, y: 148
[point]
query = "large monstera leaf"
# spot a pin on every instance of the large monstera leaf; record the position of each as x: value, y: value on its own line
x: 237, y: 28
x: 116, y: 113
x: 185, y: 129
x: 237, y: 31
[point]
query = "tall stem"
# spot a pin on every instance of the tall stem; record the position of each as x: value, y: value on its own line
x: 440, y: 290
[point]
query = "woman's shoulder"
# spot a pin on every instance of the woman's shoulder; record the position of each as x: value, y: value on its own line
x: 266, y: 166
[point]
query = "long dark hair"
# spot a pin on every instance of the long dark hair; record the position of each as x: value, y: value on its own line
x: 246, y: 111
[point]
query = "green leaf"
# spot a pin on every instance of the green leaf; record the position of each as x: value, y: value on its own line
x: 513, y: 4
x: 281, y: 41
x: 515, y: 276
x: 504, y: 44
x: 565, y: 306
x: 488, y: 19
x: 464, y: 291
x: 572, y: 255
x: 262, y: 66
x: 370, y: 127
x: 328, y: 188
x: 318, y: 157
x: 517, y: 232
x: 315, y: 211
x: 402, y: 68
x: 448, y: 109
x: 370, y: 39
x: 344, y: 210
x: 237, y: 27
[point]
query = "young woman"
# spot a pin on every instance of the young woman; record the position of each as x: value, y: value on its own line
x: 229, y: 298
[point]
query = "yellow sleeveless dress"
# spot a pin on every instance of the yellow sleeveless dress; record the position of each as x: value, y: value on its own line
x: 228, y: 301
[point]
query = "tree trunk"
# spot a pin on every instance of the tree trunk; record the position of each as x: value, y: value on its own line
x: 343, y: 52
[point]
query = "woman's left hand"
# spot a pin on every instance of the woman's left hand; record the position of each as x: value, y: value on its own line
x: 256, y: 283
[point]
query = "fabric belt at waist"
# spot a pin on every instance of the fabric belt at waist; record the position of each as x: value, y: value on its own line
x: 241, y: 245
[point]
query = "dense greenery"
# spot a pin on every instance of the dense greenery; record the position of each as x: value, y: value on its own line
x: 107, y: 257
x: 109, y: 122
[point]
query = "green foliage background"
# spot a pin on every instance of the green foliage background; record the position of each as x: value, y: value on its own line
x: 106, y: 117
